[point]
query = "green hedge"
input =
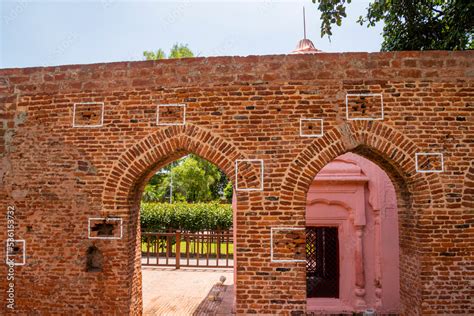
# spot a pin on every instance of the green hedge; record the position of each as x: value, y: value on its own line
x: 184, y: 216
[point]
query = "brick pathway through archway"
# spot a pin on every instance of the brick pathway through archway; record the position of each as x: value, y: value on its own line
x: 185, y: 292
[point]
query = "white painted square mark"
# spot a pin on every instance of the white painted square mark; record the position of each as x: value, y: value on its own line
x: 272, y: 231
x: 311, y: 127
x: 429, y: 162
x: 88, y: 114
x: 171, y: 114
x: 369, y: 102
x: 15, y: 249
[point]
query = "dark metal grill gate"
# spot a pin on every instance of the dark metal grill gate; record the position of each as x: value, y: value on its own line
x: 322, y: 262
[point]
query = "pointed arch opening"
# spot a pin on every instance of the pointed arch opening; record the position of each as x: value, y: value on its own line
x: 394, y: 153
x: 352, y: 243
x: 125, y: 184
x: 187, y: 239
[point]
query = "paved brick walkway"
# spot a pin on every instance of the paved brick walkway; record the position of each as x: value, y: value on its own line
x: 186, y: 291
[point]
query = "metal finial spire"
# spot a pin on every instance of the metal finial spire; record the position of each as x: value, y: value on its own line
x: 305, y: 46
x: 304, y: 23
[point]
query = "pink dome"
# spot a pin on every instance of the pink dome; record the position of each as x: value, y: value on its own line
x: 305, y: 46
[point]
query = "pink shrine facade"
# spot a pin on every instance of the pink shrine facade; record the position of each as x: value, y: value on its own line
x: 352, y: 239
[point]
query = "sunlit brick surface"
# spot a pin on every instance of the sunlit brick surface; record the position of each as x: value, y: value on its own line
x: 58, y: 176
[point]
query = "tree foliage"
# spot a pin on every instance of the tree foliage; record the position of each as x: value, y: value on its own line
x: 408, y: 24
x: 177, y: 51
x: 192, y: 179
x: 228, y: 192
x: 151, y: 55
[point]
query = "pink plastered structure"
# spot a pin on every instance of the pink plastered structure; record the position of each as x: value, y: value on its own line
x: 358, y: 197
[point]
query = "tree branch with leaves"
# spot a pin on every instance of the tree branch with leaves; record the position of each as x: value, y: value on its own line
x: 408, y: 24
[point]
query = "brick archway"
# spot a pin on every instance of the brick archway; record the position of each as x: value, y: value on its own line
x: 395, y: 154
x: 390, y: 149
x: 133, y: 169
x: 136, y: 165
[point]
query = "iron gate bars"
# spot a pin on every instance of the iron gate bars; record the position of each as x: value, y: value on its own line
x: 206, y: 249
x: 322, y: 262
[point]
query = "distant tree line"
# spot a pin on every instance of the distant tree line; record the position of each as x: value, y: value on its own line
x: 177, y: 51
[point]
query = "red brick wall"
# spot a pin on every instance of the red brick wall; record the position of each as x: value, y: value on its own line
x: 58, y: 176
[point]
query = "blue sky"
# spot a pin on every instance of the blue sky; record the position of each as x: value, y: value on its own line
x: 44, y: 33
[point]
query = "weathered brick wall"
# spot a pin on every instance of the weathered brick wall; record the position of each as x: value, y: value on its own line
x: 58, y: 176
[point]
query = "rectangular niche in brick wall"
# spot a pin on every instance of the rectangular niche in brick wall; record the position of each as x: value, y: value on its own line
x: 105, y: 228
x: 311, y: 127
x: 15, y: 252
x: 88, y: 114
x: 249, y: 175
x: 171, y: 114
x: 429, y: 162
x: 287, y: 244
x: 364, y: 106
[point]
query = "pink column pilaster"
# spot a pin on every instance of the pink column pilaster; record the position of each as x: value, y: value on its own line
x: 378, y: 265
x: 359, y: 290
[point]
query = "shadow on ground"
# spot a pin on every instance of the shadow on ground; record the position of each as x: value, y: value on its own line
x: 219, y: 301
